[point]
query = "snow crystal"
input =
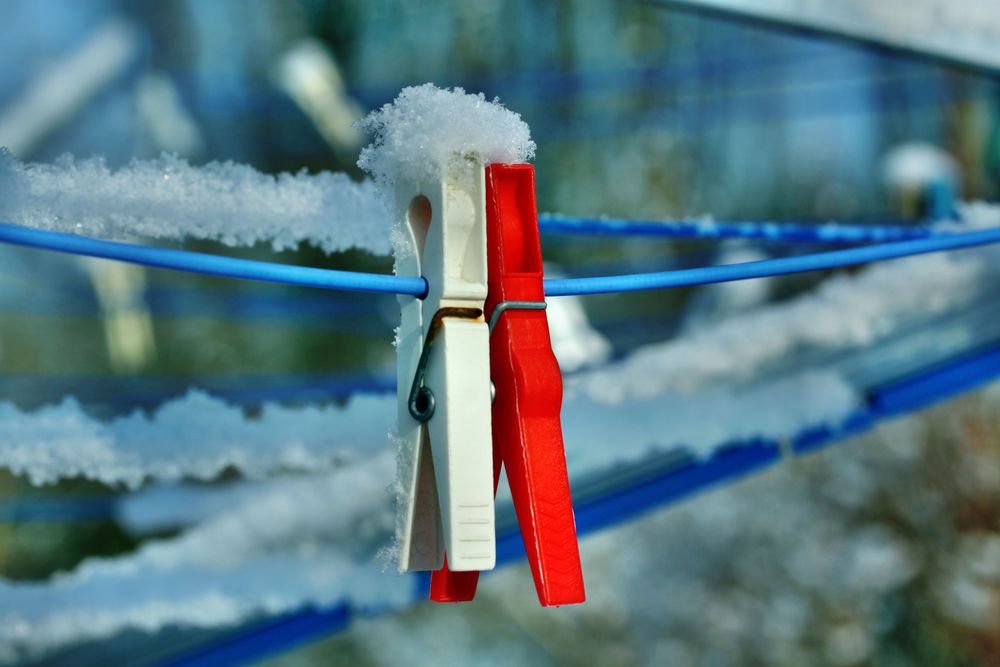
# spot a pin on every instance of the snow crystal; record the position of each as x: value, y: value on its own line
x: 165, y: 507
x: 196, y: 436
x: 427, y: 129
x: 168, y: 198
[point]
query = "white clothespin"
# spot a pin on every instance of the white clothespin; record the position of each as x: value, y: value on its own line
x: 443, y: 375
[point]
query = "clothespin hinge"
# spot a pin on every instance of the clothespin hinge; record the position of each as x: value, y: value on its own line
x: 421, y: 401
x: 499, y: 309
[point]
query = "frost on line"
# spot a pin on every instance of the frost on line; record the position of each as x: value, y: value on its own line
x: 270, y: 553
x: 418, y: 136
x: 193, y: 437
x: 168, y: 198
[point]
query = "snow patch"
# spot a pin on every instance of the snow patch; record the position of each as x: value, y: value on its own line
x: 196, y: 436
x: 917, y: 165
x: 846, y: 312
x: 426, y: 130
x: 168, y: 198
x: 600, y: 435
x: 274, y: 551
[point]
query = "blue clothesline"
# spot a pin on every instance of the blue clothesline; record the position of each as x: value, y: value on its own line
x: 214, y: 265
x: 171, y: 258
x: 786, y: 232
x: 770, y: 267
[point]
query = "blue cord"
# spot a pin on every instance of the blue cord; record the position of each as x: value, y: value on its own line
x: 768, y: 231
x: 214, y: 265
x: 769, y: 267
x: 169, y: 258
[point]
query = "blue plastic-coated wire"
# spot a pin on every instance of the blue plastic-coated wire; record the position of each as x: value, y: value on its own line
x: 230, y: 267
x: 833, y: 233
x: 769, y: 267
x: 214, y: 265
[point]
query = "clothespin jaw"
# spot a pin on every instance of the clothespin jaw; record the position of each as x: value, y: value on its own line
x: 444, y: 394
x: 527, y: 432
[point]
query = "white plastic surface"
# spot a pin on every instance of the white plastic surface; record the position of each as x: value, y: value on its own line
x: 446, y: 465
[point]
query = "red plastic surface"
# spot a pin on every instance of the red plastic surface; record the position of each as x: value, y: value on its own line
x: 527, y: 433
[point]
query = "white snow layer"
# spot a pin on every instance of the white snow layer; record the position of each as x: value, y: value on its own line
x: 196, y: 436
x: 168, y: 198
x: 917, y: 165
x: 422, y: 132
x: 597, y: 435
x: 294, y: 542
x: 273, y: 546
x: 847, y: 311
x: 426, y: 129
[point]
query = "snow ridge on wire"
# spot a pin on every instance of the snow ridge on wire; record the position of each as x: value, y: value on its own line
x: 845, y: 312
x: 424, y: 130
x: 168, y: 198
x: 278, y: 545
x: 267, y: 553
x: 196, y: 436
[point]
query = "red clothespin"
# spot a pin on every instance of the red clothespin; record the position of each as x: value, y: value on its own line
x: 527, y: 433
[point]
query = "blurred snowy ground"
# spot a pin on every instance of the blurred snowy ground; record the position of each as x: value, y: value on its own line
x: 885, y: 550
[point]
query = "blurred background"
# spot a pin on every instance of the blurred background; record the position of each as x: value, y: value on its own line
x: 877, y: 553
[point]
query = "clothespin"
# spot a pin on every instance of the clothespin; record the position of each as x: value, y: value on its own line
x: 443, y: 374
x: 527, y: 432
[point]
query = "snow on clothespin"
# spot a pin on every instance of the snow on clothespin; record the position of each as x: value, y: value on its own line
x: 443, y: 376
x: 527, y: 433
